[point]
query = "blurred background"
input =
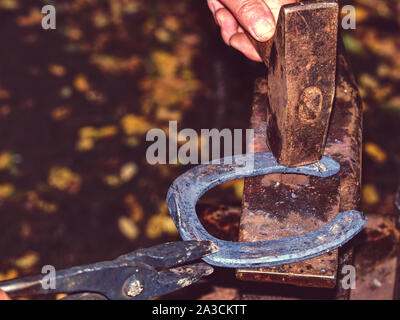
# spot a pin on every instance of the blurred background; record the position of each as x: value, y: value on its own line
x: 76, y: 104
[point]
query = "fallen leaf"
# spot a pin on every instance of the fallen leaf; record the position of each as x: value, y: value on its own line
x: 62, y: 178
x: 57, y: 70
x: 128, y: 171
x: 10, y: 274
x: 128, y: 228
x: 375, y: 152
x: 73, y: 33
x: 112, y: 180
x: 132, y: 124
x: 27, y: 261
x: 6, y: 190
x: 107, y: 131
x: 370, y: 195
x: 160, y: 224
x: 81, y: 83
x: 5, y: 160
x: 60, y: 113
x: 33, y: 18
x: 134, y: 207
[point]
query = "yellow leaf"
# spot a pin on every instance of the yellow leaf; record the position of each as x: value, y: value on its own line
x: 375, y: 152
x: 65, y: 92
x: 6, y: 190
x: 128, y: 228
x: 107, y: 131
x: 128, y: 171
x: 238, y: 187
x: 33, y: 18
x: 9, y: 4
x: 368, y: 81
x: 163, y: 113
x: 116, y: 65
x: 172, y: 23
x: 166, y: 63
x: 95, y: 96
x: 73, y: 33
x: 112, y: 180
x: 26, y: 230
x: 27, y: 261
x: 81, y: 83
x: 10, y: 274
x: 132, y: 141
x: 60, y: 113
x: 62, y: 178
x: 85, y: 144
x: 46, y: 206
x: 361, y: 14
x: 5, y: 160
x: 134, y: 207
x: 162, y: 35
x: 370, y: 195
x: 132, y: 124
x: 88, y: 132
x: 160, y: 224
x: 57, y: 70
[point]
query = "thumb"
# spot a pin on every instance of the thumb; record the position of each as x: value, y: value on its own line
x: 254, y: 15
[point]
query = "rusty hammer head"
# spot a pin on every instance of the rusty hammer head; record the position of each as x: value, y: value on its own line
x: 301, y: 62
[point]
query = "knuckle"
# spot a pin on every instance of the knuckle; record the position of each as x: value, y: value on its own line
x: 247, y: 8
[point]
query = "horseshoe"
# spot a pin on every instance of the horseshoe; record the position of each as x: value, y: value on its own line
x: 187, y: 189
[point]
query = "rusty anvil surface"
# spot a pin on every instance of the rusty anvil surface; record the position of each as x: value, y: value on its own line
x: 280, y: 206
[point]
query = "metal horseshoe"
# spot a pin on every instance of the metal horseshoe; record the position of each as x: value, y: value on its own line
x: 187, y: 189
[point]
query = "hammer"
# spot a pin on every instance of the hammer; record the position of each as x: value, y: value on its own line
x: 301, y: 64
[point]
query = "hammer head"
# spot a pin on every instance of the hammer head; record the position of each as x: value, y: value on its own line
x: 301, y: 61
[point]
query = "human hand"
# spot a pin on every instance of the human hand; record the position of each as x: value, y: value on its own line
x: 3, y: 295
x: 258, y: 17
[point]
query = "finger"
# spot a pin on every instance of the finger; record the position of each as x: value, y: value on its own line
x: 254, y: 16
x: 228, y: 24
x: 3, y: 295
x: 241, y: 42
x: 214, y: 5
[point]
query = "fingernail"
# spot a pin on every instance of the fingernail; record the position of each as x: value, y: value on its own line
x: 218, y: 19
x: 262, y: 30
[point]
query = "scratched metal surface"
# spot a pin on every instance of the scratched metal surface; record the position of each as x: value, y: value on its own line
x: 301, y: 81
x: 189, y: 187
